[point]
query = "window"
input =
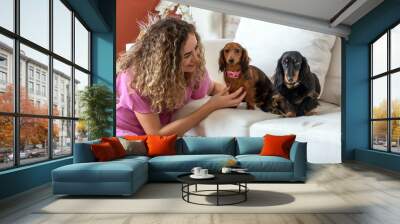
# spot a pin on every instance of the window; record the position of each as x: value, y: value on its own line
x: 30, y: 72
x: 385, y: 96
x: 3, y: 71
x: 7, y: 89
x: 7, y: 14
x: 39, y: 80
x: 81, y: 45
x: 30, y: 87
x: 62, y: 30
x: 43, y: 90
x: 38, y: 89
x: 3, y: 78
x: 3, y: 61
x: 37, y: 74
x: 43, y: 77
x: 34, y: 22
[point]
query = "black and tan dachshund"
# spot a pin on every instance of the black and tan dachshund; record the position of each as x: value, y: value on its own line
x: 297, y: 88
x: 234, y: 63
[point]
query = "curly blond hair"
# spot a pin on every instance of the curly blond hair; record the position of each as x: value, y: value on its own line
x: 155, y: 62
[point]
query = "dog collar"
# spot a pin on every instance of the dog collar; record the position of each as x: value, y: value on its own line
x: 233, y: 75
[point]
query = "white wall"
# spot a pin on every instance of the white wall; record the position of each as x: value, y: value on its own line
x: 208, y: 23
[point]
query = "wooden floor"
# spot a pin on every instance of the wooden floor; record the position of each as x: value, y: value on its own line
x: 377, y: 188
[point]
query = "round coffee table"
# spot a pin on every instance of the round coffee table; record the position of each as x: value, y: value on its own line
x: 238, y: 179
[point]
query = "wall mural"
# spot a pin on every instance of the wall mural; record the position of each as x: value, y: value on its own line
x: 291, y: 76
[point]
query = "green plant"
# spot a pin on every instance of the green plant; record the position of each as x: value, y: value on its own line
x: 97, y: 103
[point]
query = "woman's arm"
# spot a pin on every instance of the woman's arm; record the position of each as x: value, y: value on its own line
x: 152, y: 125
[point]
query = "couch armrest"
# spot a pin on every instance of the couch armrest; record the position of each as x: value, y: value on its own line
x: 298, y: 155
x: 83, y: 152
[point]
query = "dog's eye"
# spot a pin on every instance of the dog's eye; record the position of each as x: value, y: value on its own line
x: 236, y: 50
x: 226, y: 50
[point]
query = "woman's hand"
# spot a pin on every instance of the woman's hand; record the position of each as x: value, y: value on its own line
x: 224, y: 99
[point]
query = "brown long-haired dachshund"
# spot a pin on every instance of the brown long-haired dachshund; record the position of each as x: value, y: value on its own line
x: 234, y: 63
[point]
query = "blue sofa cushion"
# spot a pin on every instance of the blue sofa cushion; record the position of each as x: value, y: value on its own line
x: 130, y: 158
x: 185, y: 163
x: 249, y: 145
x: 257, y: 163
x: 111, y: 171
x: 205, y: 145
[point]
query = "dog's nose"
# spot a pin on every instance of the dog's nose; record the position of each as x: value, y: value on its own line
x: 230, y: 61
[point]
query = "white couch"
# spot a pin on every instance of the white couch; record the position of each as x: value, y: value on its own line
x: 322, y: 132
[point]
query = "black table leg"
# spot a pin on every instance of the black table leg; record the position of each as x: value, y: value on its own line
x: 188, y: 190
x: 245, y: 193
x: 217, y: 194
x: 182, y: 190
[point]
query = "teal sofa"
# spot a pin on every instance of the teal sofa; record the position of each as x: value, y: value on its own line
x: 125, y: 176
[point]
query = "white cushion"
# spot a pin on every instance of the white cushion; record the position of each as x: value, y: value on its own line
x: 266, y: 42
x: 322, y: 132
x: 223, y: 122
x: 332, y: 89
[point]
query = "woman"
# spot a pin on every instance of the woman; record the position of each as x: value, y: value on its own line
x: 160, y: 74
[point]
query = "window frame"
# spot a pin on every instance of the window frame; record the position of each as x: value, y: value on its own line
x: 16, y: 114
x: 388, y: 74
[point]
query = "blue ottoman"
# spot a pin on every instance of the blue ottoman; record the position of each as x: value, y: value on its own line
x: 118, y: 177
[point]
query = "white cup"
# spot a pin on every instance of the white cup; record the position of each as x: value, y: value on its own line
x: 226, y: 170
x: 203, y: 172
x: 196, y: 170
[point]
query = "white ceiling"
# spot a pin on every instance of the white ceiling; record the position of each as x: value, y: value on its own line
x: 315, y: 15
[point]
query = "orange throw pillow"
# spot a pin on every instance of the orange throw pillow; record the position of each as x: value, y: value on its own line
x: 161, y: 145
x: 103, y: 151
x: 136, y: 137
x: 116, y: 145
x: 277, y: 145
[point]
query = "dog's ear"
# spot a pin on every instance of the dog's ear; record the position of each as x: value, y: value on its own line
x: 221, y: 61
x: 305, y: 74
x: 279, y: 75
x: 244, y: 60
x: 305, y: 68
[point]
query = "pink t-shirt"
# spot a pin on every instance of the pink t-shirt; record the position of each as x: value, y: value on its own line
x: 129, y: 100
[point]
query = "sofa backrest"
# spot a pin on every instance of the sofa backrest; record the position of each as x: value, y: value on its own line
x: 249, y: 145
x: 83, y: 152
x: 190, y: 146
x: 205, y: 145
